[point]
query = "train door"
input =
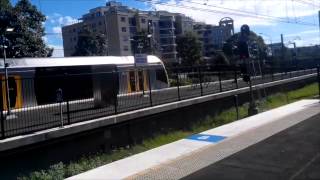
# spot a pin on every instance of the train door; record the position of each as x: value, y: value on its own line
x: 137, y: 81
x: 145, y: 80
x: 15, y: 92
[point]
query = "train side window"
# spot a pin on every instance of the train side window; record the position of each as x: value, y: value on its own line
x: 12, y: 91
x: 161, y: 75
x: 132, y: 81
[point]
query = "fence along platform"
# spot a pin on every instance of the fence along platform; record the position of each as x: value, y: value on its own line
x: 189, y: 82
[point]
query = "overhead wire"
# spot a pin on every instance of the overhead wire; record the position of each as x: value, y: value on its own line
x: 307, y: 3
x: 293, y: 11
x: 229, y: 11
x: 235, y: 12
x: 287, y: 10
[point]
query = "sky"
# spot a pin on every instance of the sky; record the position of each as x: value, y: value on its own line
x: 269, y: 18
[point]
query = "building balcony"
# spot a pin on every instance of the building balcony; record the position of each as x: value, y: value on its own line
x: 166, y: 28
x: 167, y: 44
x: 167, y: 53
x: 167, y: 36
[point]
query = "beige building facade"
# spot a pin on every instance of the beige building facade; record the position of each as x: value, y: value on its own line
x: 119, y: 24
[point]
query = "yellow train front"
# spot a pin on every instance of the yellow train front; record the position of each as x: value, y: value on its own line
x: 35, y: 81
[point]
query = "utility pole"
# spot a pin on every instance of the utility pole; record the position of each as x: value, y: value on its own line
x: 247, y: 70
x: 319, y: 25
x: 282, y: 48
x: 150, y: 36
x: 6, y: 74
x: 6, y: 71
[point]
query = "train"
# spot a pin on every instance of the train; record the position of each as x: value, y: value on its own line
x: 36, y: 81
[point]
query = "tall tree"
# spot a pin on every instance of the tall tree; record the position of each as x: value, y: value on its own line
x: 90, y: 43
x: 218, y: 58
x: 256, y: 45
x: 141, y: 43
x: 5, y: 15
x: 26, y: 40
x: 189, y: 49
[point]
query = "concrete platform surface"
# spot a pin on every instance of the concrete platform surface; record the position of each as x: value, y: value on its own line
x: 191, y: 155
x: 292, y: 154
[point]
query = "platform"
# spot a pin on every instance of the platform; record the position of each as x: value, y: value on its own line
x: 210, y: 151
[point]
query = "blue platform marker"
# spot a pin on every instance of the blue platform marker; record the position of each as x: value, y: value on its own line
x: 206, y: 137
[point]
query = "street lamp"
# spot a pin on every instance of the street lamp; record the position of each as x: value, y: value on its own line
x: 6, y: 70
x: 9, y: 29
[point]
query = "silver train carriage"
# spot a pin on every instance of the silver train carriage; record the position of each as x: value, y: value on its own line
x: 35, y: 81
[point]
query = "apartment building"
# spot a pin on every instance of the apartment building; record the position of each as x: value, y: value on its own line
x: 204, y: 33
x: 213, y: 37
x: 112, y: 20
x: 120, y: 24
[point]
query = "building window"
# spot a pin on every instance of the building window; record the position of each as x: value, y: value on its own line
x: 125, y: 48
x: 124, y: 29
x: 100, y: 23
x: 143, y: 20
x: 74, y: 30
x: 123, y: 19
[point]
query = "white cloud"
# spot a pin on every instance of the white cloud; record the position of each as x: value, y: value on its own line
x: 57, y: 18
x: 307, y: 41
x: 303, y: 38
x: 66, y: 20
x: 58, y: 32
x: 303, y: 33
x: 57, y: 51
x: 45, y: 39
x: 56, y: 29
x: 242, y: 11
x: 57, y: 14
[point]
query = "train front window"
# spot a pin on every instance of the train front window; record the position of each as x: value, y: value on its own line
x: 161, y: 75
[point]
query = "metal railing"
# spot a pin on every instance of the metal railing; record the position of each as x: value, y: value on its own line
x: 77, y: 101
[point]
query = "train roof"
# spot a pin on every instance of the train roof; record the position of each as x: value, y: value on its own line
x: 76, y: 61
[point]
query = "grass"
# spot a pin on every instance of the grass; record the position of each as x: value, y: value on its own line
x: 60, y: 170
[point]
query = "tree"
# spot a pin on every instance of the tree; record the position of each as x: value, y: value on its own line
x: 5, y: 15
x: 189, y: 49
x: 90, y: 43
x: 26, y: 40
x: 219, y: 58
x: 256, y: 45
x: 141, y: 43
